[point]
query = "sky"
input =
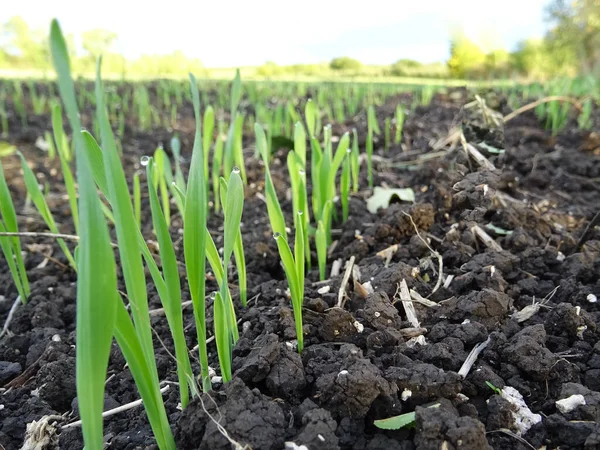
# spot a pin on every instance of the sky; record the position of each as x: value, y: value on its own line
x: 249, y: 33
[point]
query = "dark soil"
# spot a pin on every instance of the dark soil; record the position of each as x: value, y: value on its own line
x: 366, y: 361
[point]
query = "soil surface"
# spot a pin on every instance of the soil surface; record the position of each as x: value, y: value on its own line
x: 528, y: 293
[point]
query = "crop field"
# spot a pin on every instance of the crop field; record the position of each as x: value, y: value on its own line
x: 201, y: 264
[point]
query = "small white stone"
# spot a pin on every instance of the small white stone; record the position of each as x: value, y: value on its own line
x: 466, y: 321
x: 324, y: 290
x: 216, y: 380
x: 523, y: 418
x: 211, y: 372
x: 406, y: 394
x: 420, y: 340
x: 294, y: 446
x: 321, y: 438
x: 342, y: 373
x: 462, y: 397
x: 567, y: 405
x: 492, y: 270
x: 592, y: 298
x: 359, y: 326
x: 560, y: 257
x: 377, y: 314
x: 56, y: 338
x: 292, y: 345
x: 246, y: 326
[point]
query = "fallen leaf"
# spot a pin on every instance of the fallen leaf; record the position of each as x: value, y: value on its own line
x: 382, y: 197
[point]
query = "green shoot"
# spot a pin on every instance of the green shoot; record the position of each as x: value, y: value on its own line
x: 64, y: 154
x: 401, y: 421
x: 36, y: 195
x: 178, y: 185
x: 496, y: 390
x: 354, y: 162
x: 273, y: 207
x: 373, y: 128
x: 96, y: 295
x: 209, y: 125
x: 345, y: 185
x: 299, y: 195
x: 194, y: 242
x: 137, y: 199
x: 171, y: 299
x: 387, y: 133
x: 11, y: 246
x: 50, y: 144
x: 216, y: 169
x: 293, y: 266
x: 399, y: 121
x: 225, y: 322
x: 163, y: 178
x: 233, y: 151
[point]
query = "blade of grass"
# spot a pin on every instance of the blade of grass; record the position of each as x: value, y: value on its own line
x: 194, y: 243
x: 216, y: 170
x: 354, y: 164
x: 97, y: 284
x: 172, y: 301
x: 137, y: 199
x: 291, y: 273
x: 274, y: 208
x: 39, y: 201
x: 11, y: 246
x: 209, y: 125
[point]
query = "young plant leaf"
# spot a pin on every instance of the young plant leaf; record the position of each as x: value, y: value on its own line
x: 97, y: 284
x: 194, y: 242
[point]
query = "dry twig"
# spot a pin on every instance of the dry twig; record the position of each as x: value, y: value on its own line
x: 533, y: 105
x: 118, y: 409
x: 407, y: 303
x: 473, y: 355
x: 342, y: 291
x: 433, y: 252
x: 11, y: 313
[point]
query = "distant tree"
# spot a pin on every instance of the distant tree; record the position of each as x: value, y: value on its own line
x: 405, y: 67
x: 97, y: 42
x: 467, y: 59
x: 165, y: 65
x: 269, y: 69
x: 345, y: 63
x: 497, y: 63
x: 575, y: 35
x: 26, y: 46
x: 531, y: 58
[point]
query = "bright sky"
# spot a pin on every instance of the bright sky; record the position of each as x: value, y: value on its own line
x: 250, y: 32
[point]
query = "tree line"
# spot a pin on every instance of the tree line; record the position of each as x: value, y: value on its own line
x: 570, y: 47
